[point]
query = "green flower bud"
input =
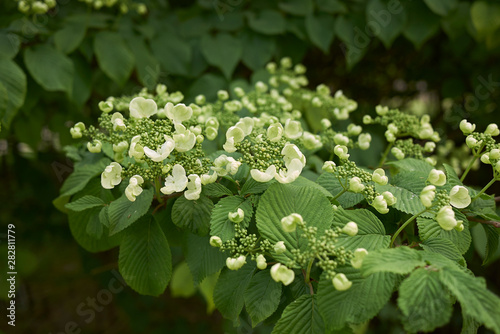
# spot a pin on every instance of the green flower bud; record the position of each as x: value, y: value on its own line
x: 341, y: 283
x: 459, y: 197
x: 359, y: 255
x: 289, y: 223
x: 280, y: 273
x: 351, y: 229
x: 379, y: 177
x: 280, y: 247
x: 437, y: 177
x: 237, y: 216
x: 492, y: 130
x: 355, y: 185
x: 466, y: 127
x: 95, y: 146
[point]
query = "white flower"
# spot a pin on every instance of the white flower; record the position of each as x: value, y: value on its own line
x: 281, y: 273
x: 106, y: 106
x: 222, y: 95
x: 175, y: 182
x: 184, y: 139
x: 381, y: 111
x: 209, y: 178
x: 95, y: 146
x: 466, y: 127
x: 389, y: 136
x: 492, y: 130
x: 293, y: 129
x: 311, y: 142
x: 329, y: 166
x: 275, y: 132
x: 427, y: 195
x: 429, y: 146
x: 134, y: 188
x: 280, y: 247
x: 392, y: 128
x: 266, y: 176
x: 359, y: 256
x: 325, y: 123
x: 367, y: 119
x: 142, y: 108
x: 211, y: 133
x: 341, y: 283
x: 261, y: 262
x: 459, y: 197
x: 340, y: 139
x: 76, y: 130
x: 437, y: 177
x: 380, y: 204
x: 427, y: 132
x: 236, y: 263
x: 341, y: 152
x: 494, y: 154
x: 341, y: 114
x: 120, y: 147
x: 472, y: 142
x: 111, y: 175
x: 193, y: 187
x: 389, y: 198
x: 200, y: 99
x: 291, y: 152
x: 224, y: 165
x: 237, y: 216
x: 485, y: 158
x: 364, y: 140
x: 289, y: 223
x: 215, y: 241
x: 161, y: 153
x: 379, y: 177
x: 117, y: 121
x: 293, y: 170
x: 178, y: 113
x: 354, y: 130
x: 397, y: 153
x: 355, y: 185
x: 351, y: 229
x: 446, y: 218
x: 136, y: 150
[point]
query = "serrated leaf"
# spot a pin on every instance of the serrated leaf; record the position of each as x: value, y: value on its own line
x: 321, y: 30
x: 444, y: 247
x: 300, y: 316
x: 114, y: 57
x: 230, y: 289
x: 203, y: 260
x: 94, y: 227
x: 146, y: 65
x: 411, y: 165
x: 84, y: 203
x: 443, y: 7
x: 13, y: 81
x: 220, y: 225
x: 193, y: 215
x: 361, y: 302
x: 253, y: 187
x: 451, y: 176
x: 333, y: 186
x: 262, y: 296
x: 216, y: 190
x: 429, y: 228
x: 387, y: 19
x: 424, y: 303
x: 9, y: 44
x: 401, y: 260
x: 181, y: 284
x: 407, y: 201
x: 304, y: 182
x: 81, y: 176
x: 145, y: 260
x: 352, y: 48
x: 269, y: 22
x: 50, y: 68
x: 70, y: 36
x: 222, y: 51
x: 173, y: 53
x: 122, y: 212
x: 281, y: 200
x: 492, y: 242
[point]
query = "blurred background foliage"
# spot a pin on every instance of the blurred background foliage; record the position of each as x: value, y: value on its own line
x: 433, y: 56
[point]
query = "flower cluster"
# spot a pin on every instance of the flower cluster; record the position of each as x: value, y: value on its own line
x: 123, y: 5
x: 29, y: 7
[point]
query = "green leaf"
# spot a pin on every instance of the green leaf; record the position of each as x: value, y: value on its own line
x: 257, y: 50
x: 387, y: 19
x: 269, y: 22
x: 492, y: 242
x: 145, y: 261
x: 401, y: 260
x: 173, y: 53
x: 94, y: 226
x: 262, y: 296
x: 9, y: 44
x: 253, y: 187
x: 13, y: 91
x: 82, y: 81
x: 193, y: 215
x: 451, y: 176
x: 429, y: 228
x: 122, y: 212
x: 423, y: 301
x: 281, y: 200
x: 70, y: 36
x: 230, y: 290
x: 146, y: 65
x: 303, y: 182
x: 476, y: 301
x: 222, y: 51
x: 82, y: 175
x: 361, y: 302
x: 371, y: 231
x: 203, y: 260
x: 84, y: 203
x: 296, y: 7
x: 220, y: 225
x: 485, y: 17
x: 411, y: 165
x: 50, y: 68
x: 407, y: 201
x: 301, y: 316
x: 216, y: 190
x: 332, y: 184
x: 444, y: 247
x: 113, y: 56
x: 181, y: 284
x: 208, y: 84
x: 321, y: 30
x: 422, y: 23
x: 332, y: 6
x: 355, y: 44
x: 457, y: 22
x: 443, y: 7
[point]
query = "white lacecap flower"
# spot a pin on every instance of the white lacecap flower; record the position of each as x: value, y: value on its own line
x: 341, y: 152
x: 429, y: 146
x: 379, y: 177
x: 492, y: 130
x: 237, y: 216
x: 215, y: 241
x: 351, y: 229
x: 426, y: 131
x: 485, y: 158
x: 184, y: 139
x: 389, y: 198
x: 120, y: 147
x: 289, y: 223
x: 95, y: 146
x: 142, y: 108
x: 392, y: 128
x: 265, y: 176
x: 356, y: 185
x: 162, y: 152
x: 325, y: 123
x: 222, y: 95
x: 340, y: 139
x: 341, y: 283
x: 118, y: 122
x: 329, y: 166
x: 341, y: 114
x: 398, y: 153
x: 178, y: 113
x: 236, y: 263
x: 364, y: 141
x: 359, y: 256
x: 136, y: 150
x: 77, y: 130
x: 208, y: 178
x: 176, y: 182
x: 459, y: 197
x: 281, y: 273
x: 437, y: 177
x: 134, y: 188
x: 380, y: 204
x: 367, y: 119
x: 280, y: 247
x: 293, y: 170
x: 275, y: 132
x: 466, y: 127
x: 261, y: 262
x: 106, y: 106
x: 193, y: 187
x: 381, y: 111
x: 446, y: 218
x: 211, y: 133
x: 293, y: 129
x: 389, y: 136
x: 494, y: 154
x: 427, y: 195
x: 354, y: 130
x: 291, y: 152
x: 311, y: 142
x: 431, y: 160
x: 111, y: 176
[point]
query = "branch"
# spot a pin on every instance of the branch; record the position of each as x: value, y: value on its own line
x: 487, y: 222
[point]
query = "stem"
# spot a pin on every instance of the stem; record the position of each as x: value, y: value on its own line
x: 386, y: 153
x: 404, y: 225
x: 484, y: 189
x: 487, y: 222
x: 157, y: 190
x: 308, y: 276
x: 471, y: 163
x: 340, y: 194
